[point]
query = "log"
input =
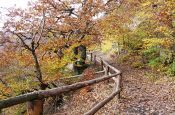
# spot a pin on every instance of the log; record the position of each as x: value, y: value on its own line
x: 50, y: 92
x: 102, y: 103
x: 81, y: 75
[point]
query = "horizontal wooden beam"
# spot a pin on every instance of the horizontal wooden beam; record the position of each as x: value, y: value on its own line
x: 111, y: 67
x: 99, y: 59
x: 50, y: 92
x: 81, y: 75
x: 102, y: 103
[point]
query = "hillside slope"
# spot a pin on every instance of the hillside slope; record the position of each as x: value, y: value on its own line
x: 140, y: 96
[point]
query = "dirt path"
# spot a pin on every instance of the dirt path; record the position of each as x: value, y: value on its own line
x: 140, y: 95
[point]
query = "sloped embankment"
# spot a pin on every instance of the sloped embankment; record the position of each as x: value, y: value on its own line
x: 140, y: 96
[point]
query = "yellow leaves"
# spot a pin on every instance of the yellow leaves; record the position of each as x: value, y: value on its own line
x: 19, y: 84
x: 51, y: 65
x: 52, y: 77
x: 147, y: 3
x: 170, y: 4
x: 164, y: 29
x: 143, y: 14
x: 150, y: 42
x: 50, y: 35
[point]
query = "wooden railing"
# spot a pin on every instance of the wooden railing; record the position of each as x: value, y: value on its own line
x: 108, y: 70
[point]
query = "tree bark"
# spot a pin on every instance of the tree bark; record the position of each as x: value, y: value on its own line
x: 80, y: 50
x: 35, y: 107
x: 37, y: 66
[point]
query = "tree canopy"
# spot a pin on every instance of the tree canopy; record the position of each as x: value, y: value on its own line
x: 36, y: 43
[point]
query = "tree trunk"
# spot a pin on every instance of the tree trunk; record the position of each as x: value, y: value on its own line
x: 37, y: 67
x: 35, y: 107
x: 80, y: 50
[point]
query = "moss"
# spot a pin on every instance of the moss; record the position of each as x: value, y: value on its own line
x: 123, y: 58
x: 137, y: 64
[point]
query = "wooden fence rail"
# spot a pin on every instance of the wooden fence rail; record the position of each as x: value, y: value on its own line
x: 117, y: 80
x: 108, y: 70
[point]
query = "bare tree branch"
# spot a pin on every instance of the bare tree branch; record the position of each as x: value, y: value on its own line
x: 20, y: 35
x: 42, y: 30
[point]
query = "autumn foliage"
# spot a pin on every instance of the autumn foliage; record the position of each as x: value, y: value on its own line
x: 36, y: 43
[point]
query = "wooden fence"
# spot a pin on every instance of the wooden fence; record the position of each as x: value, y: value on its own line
x: 109, y: 71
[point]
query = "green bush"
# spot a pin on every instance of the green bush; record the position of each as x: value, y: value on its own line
x: 151, y: 53
x: 154, y: 63
x: 166, y: 56
x: 171, y: 69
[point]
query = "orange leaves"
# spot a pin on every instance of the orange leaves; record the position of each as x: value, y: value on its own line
x: 88, y: 74
x: 4, y: 91
x: 167, y: 43
x: 6, y: 58
x: 25, y: 59
x: 85, y: 90
x: 165, y: 18
x: 43, y: 28
x: 9, y: 57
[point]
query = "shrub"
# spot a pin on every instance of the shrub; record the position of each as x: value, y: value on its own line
x: 123, y: 58
x: 154, y: 63
x: 171, y: 69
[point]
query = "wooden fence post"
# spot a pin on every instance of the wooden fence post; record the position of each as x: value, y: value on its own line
x: 35, y: 107
x: 118, y: 84
x: 91, y: 56
x: 107, y: 70
x: 35, y: 103
x: 101, y: 63
x: 94, y: 59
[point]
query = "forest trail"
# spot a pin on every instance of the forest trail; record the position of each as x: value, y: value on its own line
x: 140, y: 96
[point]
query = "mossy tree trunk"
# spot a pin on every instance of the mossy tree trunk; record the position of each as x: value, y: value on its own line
x: 79, y: 64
